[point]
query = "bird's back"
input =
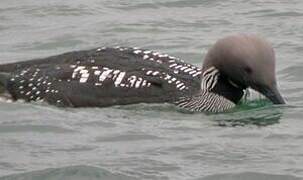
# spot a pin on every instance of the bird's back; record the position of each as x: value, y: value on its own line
x: 101, y: 77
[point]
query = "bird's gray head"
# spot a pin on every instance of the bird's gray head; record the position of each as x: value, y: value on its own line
x: 238, y: 62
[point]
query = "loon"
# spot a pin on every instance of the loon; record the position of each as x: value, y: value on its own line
x: 107, y: 76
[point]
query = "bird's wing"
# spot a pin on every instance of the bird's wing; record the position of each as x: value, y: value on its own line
x: 101, y: 78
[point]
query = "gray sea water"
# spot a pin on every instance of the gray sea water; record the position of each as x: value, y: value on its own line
x: 256, y: 141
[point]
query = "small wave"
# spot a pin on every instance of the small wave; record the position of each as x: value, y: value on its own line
x: 52, y: 43
x: 56, y: 10
x: 293, y: 73
x: 33, y: 128
x: 127, y: 137
x: 69, y: 173
x: 282, y: 14
x: 169, y: 4
x: 250, y: 176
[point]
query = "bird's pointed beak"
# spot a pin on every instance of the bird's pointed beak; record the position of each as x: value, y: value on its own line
x: 272, y: 93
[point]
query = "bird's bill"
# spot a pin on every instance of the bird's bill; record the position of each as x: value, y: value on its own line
x: 272, y: 93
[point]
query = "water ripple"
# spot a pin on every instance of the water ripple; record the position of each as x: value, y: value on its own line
x: 69, y: 173
x: 250, y: 176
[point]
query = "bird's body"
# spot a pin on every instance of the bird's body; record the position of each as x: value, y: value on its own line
x: 111, y: 76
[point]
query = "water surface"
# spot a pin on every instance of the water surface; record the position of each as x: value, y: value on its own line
x: 152, y: 141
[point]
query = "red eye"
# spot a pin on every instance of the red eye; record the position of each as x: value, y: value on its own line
x: 248, y: 70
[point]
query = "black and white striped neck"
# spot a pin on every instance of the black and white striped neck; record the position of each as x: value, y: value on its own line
x: 217, y: 94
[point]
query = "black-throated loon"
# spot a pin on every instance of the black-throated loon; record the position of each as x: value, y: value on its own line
x: 115, y: 76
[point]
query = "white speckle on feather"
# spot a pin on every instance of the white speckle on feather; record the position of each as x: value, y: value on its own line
x: 172, y: 65
x: 179, y: 85
x: 187, y: 70
x: 97, y: 73
x: 196, y: 74
x: 145, y: 57
x: 84, y: 71
x: 192, y: 72
x: 104, y: 74
x: 137, y: 51
x: 179, y: 66
x: 116, y: 72
x: 119, y: 78
x: 132, y: 80
x: 86, y: 75
x: 83, y: 80
x: 183, y: 68
x: 183, y: 87
x: 156, y: 73
x: 167, y: 77
x: 144, y: 83
x: 138, y: 82
x: 95, y: 67
x: 149, y: 72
